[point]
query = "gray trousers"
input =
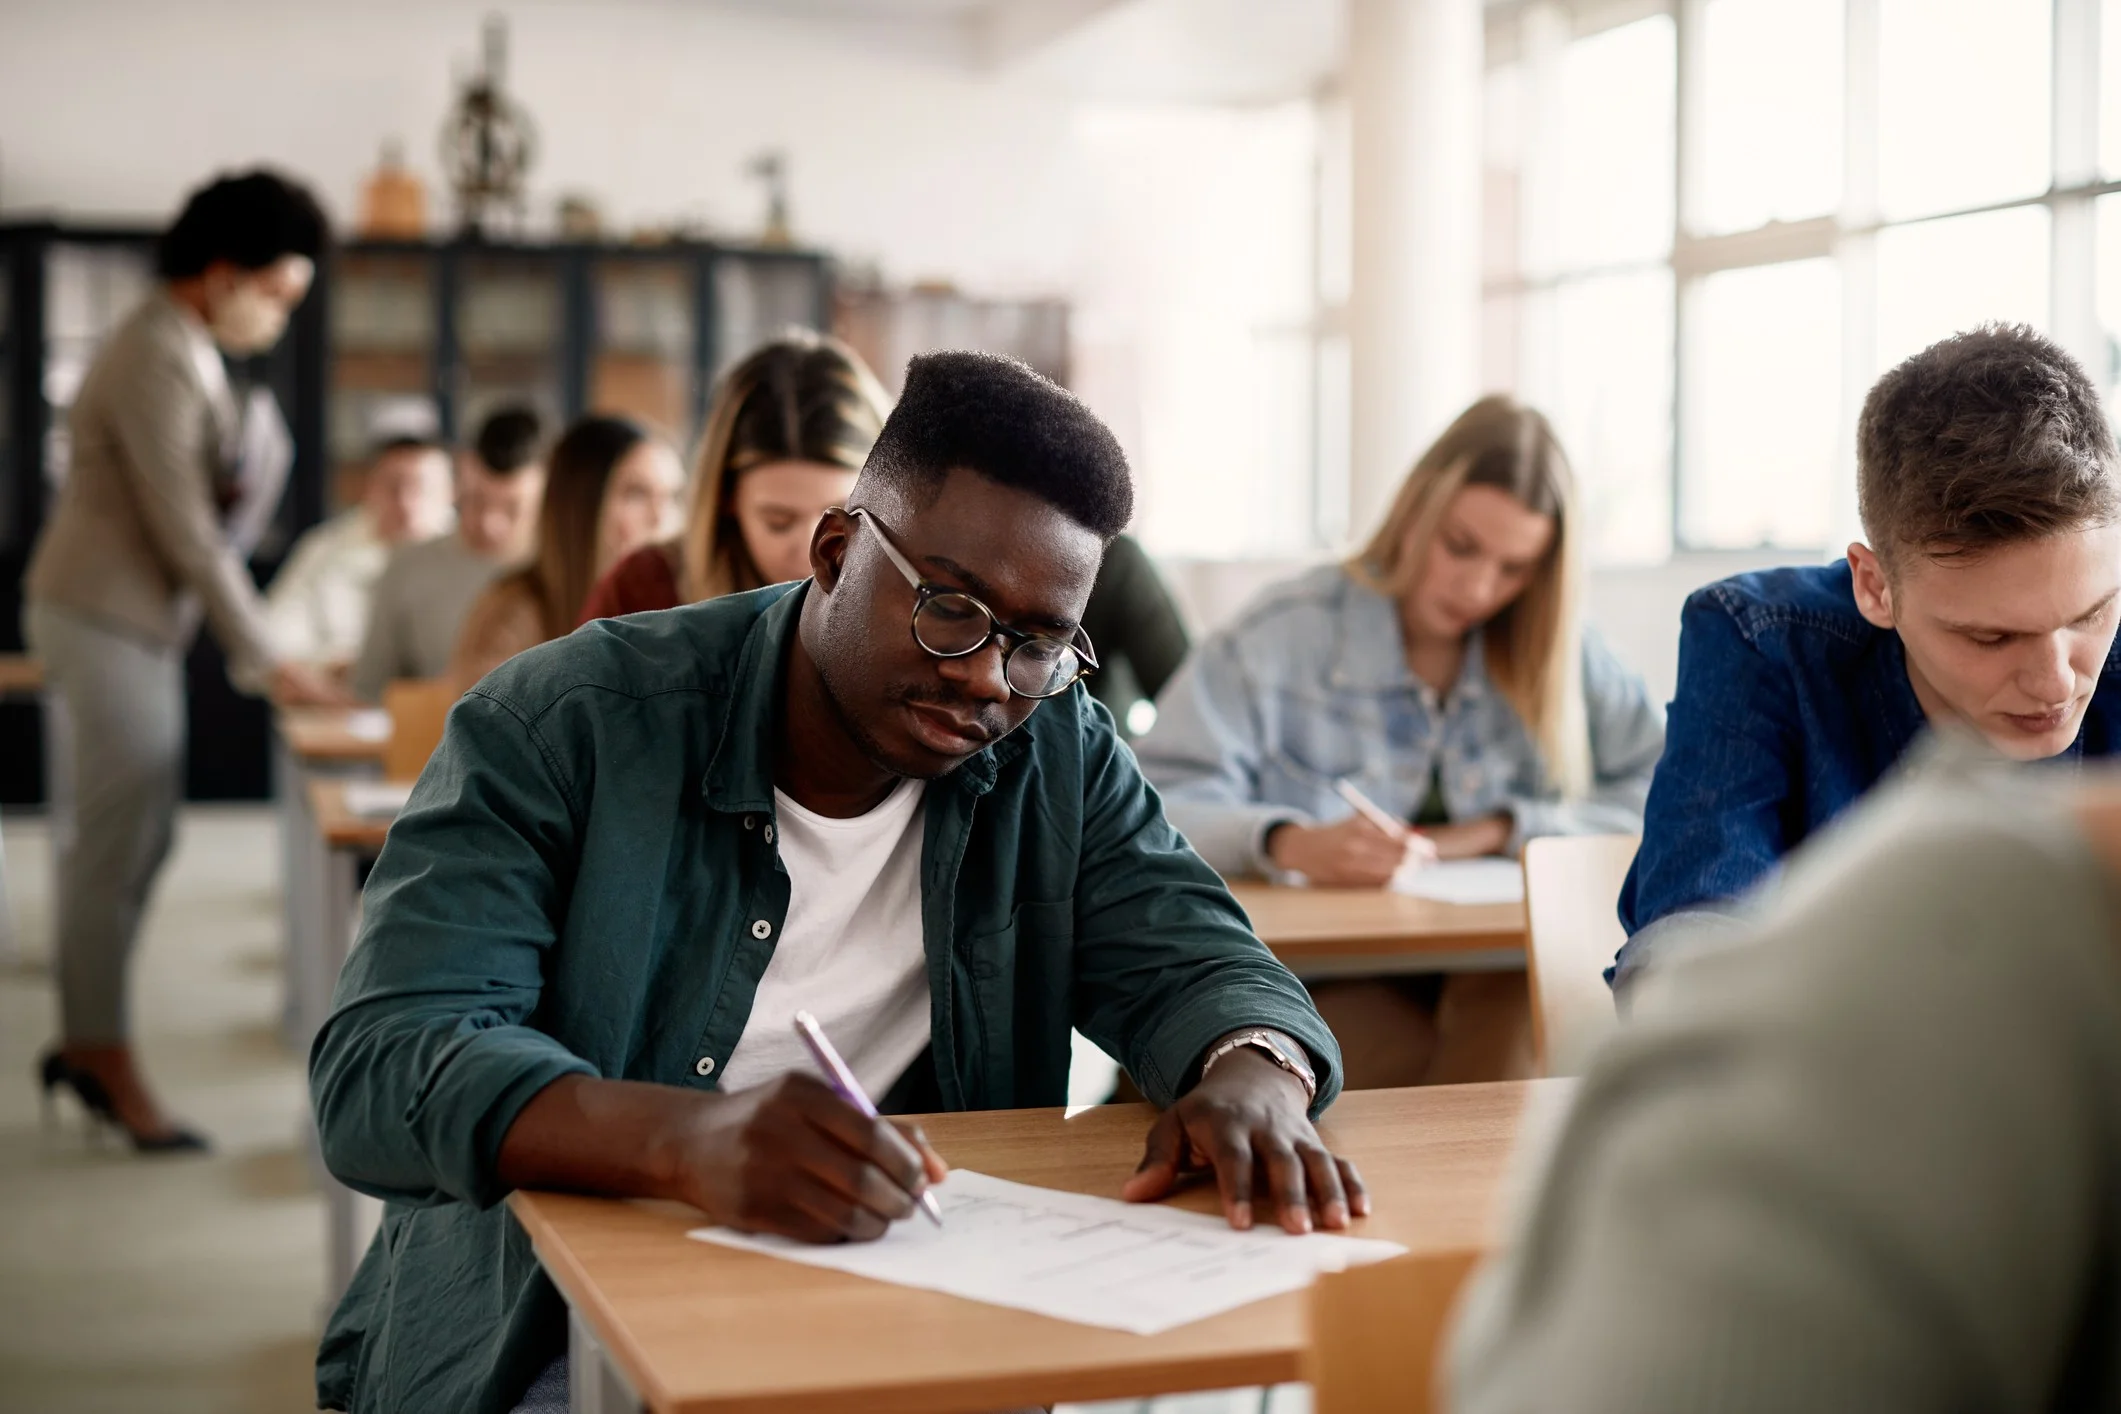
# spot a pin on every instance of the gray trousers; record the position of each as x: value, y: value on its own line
x: 121, y: 700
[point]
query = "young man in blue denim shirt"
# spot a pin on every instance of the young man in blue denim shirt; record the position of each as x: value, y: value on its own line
x: 1986, y: 601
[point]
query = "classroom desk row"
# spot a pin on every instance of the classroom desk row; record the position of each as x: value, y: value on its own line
x: 1316, y: 932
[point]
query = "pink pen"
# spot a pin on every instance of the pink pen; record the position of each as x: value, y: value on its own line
x: 849, y: 1088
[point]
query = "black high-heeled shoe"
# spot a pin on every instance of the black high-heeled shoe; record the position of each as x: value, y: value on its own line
x: 53, y: 1072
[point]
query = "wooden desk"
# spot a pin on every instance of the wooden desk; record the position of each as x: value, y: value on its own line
x: 20, y: 675
x: 1347, y: 932
x: 691, y: 1328
x: 339, y: 843
x: 317, y: 734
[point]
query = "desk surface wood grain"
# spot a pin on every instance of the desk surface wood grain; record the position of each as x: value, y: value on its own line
x: 341, y: 827
x: 700, y: 1328
x: 20, y: 675
x: 329, y: 733
x: 1302, y: 924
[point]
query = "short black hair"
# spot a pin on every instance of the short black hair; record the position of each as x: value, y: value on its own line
x: 250, y: 219
x: 509, y: 439
x: 1987, y: 438
x: 997, y: 417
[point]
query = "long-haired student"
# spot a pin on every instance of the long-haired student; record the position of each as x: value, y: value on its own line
x: 789, y: 429
x: 1445, y: 673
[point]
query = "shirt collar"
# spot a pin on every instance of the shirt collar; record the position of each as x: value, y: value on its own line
x: 1371, y: 656
x: 739, y: 774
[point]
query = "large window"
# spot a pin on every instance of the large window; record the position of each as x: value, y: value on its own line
x: 1712, y: 223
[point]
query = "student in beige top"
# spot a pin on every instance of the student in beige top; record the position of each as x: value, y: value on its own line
x: 610, y: 488
x: 167, y: 487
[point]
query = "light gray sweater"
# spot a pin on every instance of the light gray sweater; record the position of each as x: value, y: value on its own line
x: 1866, y: 1160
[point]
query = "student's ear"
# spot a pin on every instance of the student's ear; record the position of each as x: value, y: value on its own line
x: 1874, y: 592
x: 828, y: 548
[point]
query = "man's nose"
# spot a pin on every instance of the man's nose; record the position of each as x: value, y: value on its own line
x: 979, y: 675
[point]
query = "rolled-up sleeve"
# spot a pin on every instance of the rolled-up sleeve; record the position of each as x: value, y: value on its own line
x: 1166, y: 963
x: 428, y: 1056
x: 1204, y: 757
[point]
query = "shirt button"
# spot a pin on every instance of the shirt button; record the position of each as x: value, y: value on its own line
x: 705, y: 1066
x: 769, y: 834
x: 761, y: 929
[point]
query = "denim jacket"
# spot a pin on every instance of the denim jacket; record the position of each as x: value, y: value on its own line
x: 1311, y: 684
x: 1790, y: 705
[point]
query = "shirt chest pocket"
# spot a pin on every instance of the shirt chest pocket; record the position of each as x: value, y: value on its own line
x: 1021, y: 982
x: 1314, y: 739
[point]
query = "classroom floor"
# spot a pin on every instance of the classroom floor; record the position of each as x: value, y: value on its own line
x: 184, y: 1285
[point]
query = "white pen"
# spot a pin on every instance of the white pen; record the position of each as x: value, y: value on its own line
x: 842, y: 1079
x: 1367, y: 808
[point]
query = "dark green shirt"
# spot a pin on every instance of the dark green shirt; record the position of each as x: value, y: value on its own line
x: 582, y: 882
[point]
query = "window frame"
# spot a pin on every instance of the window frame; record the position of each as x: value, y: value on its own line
x: 1847, y: 236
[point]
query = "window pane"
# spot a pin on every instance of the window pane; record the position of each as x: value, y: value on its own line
x: 2106, y: 372
x: 1772, y: 114
x: 2110, y: 87
x: 1763, y: 393
x: 1616, y: 119
x: 1963, y: 97
x: 1597, y: 359
x: 1940, y: 277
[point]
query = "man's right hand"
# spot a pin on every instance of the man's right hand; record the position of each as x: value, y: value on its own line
x: 1351, y: 853
x: 300, y: 685
x: 791, y: 1157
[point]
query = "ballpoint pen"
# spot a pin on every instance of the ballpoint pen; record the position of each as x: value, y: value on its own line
x: 1367, y: 808
x: 849, y: 1088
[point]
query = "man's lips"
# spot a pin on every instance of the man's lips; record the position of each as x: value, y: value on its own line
x: 945, y: 732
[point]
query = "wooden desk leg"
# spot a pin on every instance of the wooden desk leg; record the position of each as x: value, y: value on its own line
x: 594, y: 1384
x: 297, y: 850
x: 350, y: 1218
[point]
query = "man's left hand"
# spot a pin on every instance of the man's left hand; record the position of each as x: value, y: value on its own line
x: 1246, y: 1121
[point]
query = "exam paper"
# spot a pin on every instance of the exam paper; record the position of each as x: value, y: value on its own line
x: 377, y: 799
x: 1130, y: 1266
x: 368, y: 724
x: 1464, y: 881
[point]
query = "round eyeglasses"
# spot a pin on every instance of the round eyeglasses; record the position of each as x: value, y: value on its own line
x: 949, y: 623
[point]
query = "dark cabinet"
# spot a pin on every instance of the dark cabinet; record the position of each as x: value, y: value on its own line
x: 394, y: 334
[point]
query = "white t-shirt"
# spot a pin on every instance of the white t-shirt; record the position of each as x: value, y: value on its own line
x: 850, y: 952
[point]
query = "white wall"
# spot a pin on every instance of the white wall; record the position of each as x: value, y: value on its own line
x: 116, y: 107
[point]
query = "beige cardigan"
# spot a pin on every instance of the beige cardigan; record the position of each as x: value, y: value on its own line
x: 136, y: 538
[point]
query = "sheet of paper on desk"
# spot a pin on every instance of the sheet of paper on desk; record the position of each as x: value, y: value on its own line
x: 368, y: 724
x: 1465, y: 881
x: 1095, y: 1261
x: 378, y: 800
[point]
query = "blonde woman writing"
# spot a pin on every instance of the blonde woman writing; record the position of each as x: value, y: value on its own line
x: 1444, y: 672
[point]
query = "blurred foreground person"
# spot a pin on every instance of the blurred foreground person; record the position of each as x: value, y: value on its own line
x: 168, y: 486
x: 1867, y: 1158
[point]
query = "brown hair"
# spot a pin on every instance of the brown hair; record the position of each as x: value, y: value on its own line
x: 802, y: 397
x: 1984, y: 439
x: 576, y: 475
x: 1534, y: 646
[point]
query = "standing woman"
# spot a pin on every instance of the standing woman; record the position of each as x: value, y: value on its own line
x: 610, y: 488
x: 788, y: 432
x: 1444, y: 672
x: 168, y: 485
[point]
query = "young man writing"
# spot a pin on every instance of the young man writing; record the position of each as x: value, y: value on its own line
x: 1984, y: 602
x: 876, y: 796
x: 428, y: 588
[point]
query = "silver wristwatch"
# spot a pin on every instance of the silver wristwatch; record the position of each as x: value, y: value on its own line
x: 1282, y: 1050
